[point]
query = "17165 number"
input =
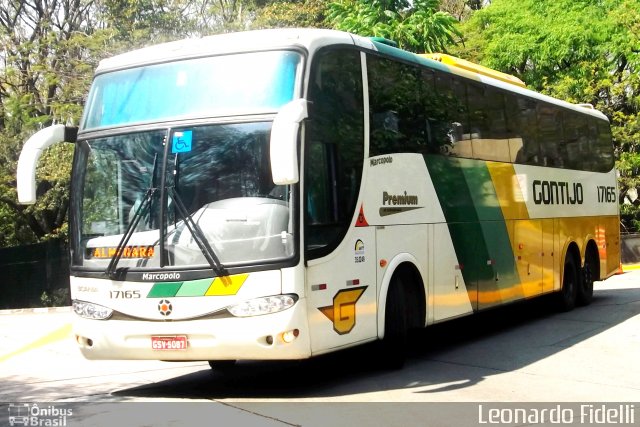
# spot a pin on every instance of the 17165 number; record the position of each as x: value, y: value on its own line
x: 133, y: 294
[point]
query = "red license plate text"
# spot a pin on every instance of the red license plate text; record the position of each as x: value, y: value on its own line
x: 178, y: 342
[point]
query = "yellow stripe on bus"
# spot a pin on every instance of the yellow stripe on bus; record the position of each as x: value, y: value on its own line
x: 226, y: 285
x: 508, y: 190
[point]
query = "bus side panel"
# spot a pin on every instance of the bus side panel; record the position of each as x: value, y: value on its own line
x: 567, y: 206
x: 401, y: 201
x: 341, y: 293
x: 612, y: 246
x: 480, y: 233
x: 550, y: 257
x: 396, y: 242
x: 527, y: 242
x: 451, y: 296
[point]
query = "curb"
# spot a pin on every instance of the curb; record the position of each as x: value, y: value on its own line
x: 36, y: 310
x: 630, y: 267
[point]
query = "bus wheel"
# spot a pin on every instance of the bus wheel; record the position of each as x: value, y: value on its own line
x: 222, y: 366
x: 566, y: 298
x: 585, y: 289
x: 394, y: 343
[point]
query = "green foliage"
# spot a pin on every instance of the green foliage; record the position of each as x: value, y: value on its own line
x: 283, y: 14
x: 42, y: 81
x: 461, y: 9
x: 578, y: 50
x: 416, y: 26
x: 57, y: 298
x: 48, y: 51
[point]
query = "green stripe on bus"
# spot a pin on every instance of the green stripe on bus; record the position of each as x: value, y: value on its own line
x: 408, y: 56
x: 476, y: 223
x: 164, y: 289
x: 493, y: 225
x: 194, y: 288
x: 457, y: 204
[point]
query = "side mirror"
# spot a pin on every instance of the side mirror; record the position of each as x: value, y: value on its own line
x: 31, y: 151
x: 284, y: 142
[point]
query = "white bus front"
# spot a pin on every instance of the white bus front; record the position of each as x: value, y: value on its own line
x: 182, y: 245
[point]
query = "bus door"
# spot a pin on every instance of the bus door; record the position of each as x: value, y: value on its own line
x: 339, y: 252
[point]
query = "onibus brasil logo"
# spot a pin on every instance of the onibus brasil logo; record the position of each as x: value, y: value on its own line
x: 25, y: 414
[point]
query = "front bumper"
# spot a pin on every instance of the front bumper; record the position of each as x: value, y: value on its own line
x: 232, y: 338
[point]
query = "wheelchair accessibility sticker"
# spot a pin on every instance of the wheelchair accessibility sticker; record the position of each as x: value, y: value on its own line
x: 181, y: 142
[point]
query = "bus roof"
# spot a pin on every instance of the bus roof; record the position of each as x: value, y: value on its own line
x: 311, y: 40
x: 474, y: 68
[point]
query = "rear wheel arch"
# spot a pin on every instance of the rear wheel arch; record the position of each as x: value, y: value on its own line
x: 589, y: 272
x: 404, y: 308
x: 593, y: 252
x: 571, y: 278
x: 403, y: 269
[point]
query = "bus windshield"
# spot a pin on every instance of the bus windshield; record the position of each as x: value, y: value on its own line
x: 217, y: 176
x: 203, y: 87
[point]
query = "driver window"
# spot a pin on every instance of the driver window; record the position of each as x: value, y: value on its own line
x: 334, y: 148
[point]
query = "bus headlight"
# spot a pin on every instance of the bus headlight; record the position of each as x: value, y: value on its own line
x: 91, y: 311
x: 264, y: 305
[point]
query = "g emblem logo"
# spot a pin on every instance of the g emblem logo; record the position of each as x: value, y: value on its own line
x: 343, y: 311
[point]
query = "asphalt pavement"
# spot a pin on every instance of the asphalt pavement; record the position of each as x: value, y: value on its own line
x: 521, y: 354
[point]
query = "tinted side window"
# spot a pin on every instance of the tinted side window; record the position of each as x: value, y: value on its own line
x: 440, y: 107
x: 522, y: 119
x: 586, y: 143
x: 334, y: 151
x: 604, y: 148
x: 488, y: 124
x: 550, y: 132
x: 513, y: 127
x: 453, y: 94
x: 397, y: 121
x: 576, y: 141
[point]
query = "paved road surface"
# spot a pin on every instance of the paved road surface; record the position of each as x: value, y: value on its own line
x: 520, y: 353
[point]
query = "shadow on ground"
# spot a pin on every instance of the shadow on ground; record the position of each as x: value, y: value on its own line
x: 494, y: 342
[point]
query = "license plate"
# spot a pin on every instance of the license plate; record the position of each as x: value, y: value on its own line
x: 178, y: 342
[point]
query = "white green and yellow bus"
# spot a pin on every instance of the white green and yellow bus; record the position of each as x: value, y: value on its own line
x: 282, y: 194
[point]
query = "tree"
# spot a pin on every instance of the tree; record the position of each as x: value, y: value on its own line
x: 137, y: 22
x: 461, y: 9
x: 416, y: 26
x: 283, y: 14
x: 48, y: 51
x: 45, y: 60
x: 577, y: 50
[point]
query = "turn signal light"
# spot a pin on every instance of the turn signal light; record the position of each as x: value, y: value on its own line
x: 289, y: 336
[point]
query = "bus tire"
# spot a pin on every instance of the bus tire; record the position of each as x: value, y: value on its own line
x: 566, y: 298
x: 222, y: 366
x: 394, y: 343
x: 589, y: 273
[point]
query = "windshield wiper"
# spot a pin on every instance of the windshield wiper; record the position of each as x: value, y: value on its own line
x: 197, y: 234
x: 145, y: 207
x: 139, y: 213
